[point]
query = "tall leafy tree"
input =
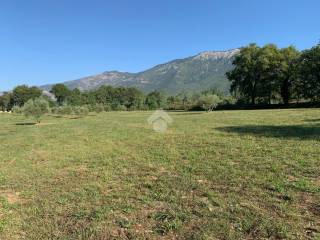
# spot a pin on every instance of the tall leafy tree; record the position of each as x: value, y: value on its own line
x: 21, y: 94
x: 75, y: 97
x: 174, y: 102
x: 288, y: 72
x: 6, y: 102
x: 61, y: 93
x: 246, y: 75
x: 133, y: 98
x: 268, y: 61
x: 185, y: 102
x: 264, y: 74
x: 309, y: 73
x: 155, y: 100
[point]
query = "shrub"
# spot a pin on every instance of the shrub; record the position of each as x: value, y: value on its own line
x: 36, y: 108
x: 84, y: 111
x: 115, y: 106
x: 209, y: 102
x: 107, y: 108
x: 66, y: 110
x: 81, y: 111
x: 132, y: 108
x: 120, y: 108
x: 91, y: 108
x: 144, y: 108
x: 229, y: 100
x: 55, y: 110
x: 60, y: 111
x: 16, y: 110
x: 99, y: 108
x: 76, y: 110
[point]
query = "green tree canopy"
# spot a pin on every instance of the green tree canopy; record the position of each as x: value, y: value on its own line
x: 288, y: 72
x: 155, y: 100
x: 262, y: 74
x: 309, y: 73
x: 6, y: 102
x: 21, y: 94
x: 61, y: 93
x: 36, y: 108
x: 209, y: 102
x: 246, y: 74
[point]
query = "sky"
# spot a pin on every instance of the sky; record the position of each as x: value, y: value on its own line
x: 50, y: 41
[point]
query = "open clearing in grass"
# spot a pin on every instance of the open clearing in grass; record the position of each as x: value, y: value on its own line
x: 219, y: 175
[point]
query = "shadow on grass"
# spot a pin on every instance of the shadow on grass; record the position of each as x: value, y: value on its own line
x: 312, y: 120
x: 56, y: 116
x: 66, y: 116
x: 25, y: 124
x: 294, y: 131
x: 186, y: 113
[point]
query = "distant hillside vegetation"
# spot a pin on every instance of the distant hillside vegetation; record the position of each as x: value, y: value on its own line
x: 203, y: 71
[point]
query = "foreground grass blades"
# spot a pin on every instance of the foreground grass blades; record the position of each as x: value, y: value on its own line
x: 219, y: 175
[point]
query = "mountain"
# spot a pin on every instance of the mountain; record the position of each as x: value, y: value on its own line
x: 203, y: 71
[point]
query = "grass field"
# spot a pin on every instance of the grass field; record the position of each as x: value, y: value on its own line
x: 219, y: 175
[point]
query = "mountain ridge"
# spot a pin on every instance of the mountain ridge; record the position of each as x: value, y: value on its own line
x: 204, y: 70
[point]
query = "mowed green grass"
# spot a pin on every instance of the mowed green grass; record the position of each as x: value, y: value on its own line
x: 219, y: 175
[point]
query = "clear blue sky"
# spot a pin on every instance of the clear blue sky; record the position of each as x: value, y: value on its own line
x: 47, y: 41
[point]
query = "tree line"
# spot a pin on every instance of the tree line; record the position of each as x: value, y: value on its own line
x: 268, y: 74
x: 261, y: 75
x: 108, y: 98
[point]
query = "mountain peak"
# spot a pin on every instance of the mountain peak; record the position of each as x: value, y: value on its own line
x: 113, y: 72
x: 217, y: 54
x: 195, y: 73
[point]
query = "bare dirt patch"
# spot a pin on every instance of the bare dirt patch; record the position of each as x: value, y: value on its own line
x: 11, y: 196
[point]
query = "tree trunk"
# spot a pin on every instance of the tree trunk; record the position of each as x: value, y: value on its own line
x: 253, y: 94
x: 253, y: 99
x: 285, y: 91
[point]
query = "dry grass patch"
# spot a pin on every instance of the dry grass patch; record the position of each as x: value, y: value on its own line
x: 10, y: 196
